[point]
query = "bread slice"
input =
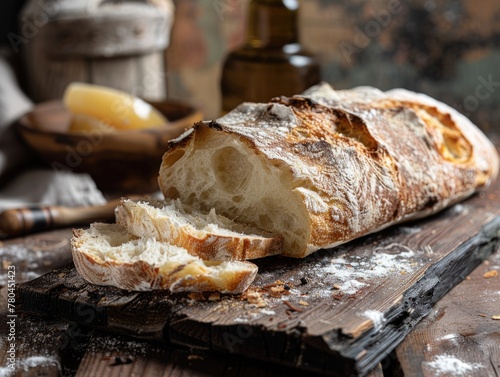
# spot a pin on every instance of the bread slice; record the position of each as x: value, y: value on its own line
x: 209, y: 236
x: 106, y: 254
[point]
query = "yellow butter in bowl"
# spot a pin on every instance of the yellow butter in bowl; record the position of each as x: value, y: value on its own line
x: 94, y: 107
x: 85, y: 123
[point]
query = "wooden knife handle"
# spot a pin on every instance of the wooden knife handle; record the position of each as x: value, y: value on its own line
x: 20, y: 221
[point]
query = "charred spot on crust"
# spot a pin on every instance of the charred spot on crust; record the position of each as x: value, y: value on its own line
x: 183, y: 139
x: 430, y: 202
x: 297, y: 102
x: 212, y: 124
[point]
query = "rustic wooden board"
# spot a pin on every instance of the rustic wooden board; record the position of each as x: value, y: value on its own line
x: 51, y: 347
x: 42, y: 347
x: 460, y: 336
x: 337, y: 312
x: 111, y: 355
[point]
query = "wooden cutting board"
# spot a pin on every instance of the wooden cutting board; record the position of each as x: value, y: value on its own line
x: 337, y: 312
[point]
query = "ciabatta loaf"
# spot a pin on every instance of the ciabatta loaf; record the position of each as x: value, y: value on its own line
x: 207, y: 235
x: 106, y: 254
x: 328, y: 166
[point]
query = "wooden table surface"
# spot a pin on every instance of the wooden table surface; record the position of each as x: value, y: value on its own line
x: 460, y: 331
x: 46, y: 347
x: 460, y: 337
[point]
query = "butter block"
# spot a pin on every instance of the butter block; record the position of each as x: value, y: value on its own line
x: 109, y: 106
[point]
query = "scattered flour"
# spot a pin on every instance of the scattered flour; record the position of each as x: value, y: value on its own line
x: 446, y: 364
x: 35, y: 361
x: 268, y: 312
x: 351, y: 286
x: 459, y: 209
x: 6, y: 372
x: 376, y: 317
x: 349, y: 269
x: 450, y: 337
x: 28, y: 363
x: 250, y: 316
x: 21, y: 256
x: 240, y: 320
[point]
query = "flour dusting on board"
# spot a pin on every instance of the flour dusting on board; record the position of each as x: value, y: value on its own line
x: 352, y: 271
x: 376, y: 317
x: 35, y: 361
x: 28, y: 364
x: 6, y: 372
x: 450, y: 365
x: 267, y: 312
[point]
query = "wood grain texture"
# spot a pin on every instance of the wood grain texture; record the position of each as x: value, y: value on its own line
x: 43, y: 347
x: 111, y: 355
x: 460, y: 329
x: 35, y: 254
x: 48, y: 347
x: 337, y: 312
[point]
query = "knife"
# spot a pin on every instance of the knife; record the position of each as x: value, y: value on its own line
x: 20, y: 221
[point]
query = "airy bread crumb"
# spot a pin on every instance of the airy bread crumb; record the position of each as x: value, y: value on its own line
x: 106, y: 254
x: 208, y: 235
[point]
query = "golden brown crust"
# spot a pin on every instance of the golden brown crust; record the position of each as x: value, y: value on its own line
x: 141, y: 221
x: 374, y: 159
x: 142, y: 276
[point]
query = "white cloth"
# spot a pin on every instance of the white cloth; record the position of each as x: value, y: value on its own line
x: 33, y: 187
x: 47, y: 187
x: 13, y: 104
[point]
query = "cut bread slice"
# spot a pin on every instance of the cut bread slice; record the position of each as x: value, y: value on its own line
x: 106, y: 254
x: 209, y: 236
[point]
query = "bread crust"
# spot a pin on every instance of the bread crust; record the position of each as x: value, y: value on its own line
x: 143, y: 276
x: 142, y: 220
x: 370, y: 159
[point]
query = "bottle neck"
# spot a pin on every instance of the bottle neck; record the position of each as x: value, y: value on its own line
x: 272, y: 23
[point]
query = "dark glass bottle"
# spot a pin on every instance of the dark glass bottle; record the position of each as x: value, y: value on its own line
x: 272, y: 62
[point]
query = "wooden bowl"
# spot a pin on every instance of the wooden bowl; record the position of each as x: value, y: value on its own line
x: 121, y: 161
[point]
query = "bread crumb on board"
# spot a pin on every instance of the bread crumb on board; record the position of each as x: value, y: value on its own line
x: 496, y: 317
x: 256, y: 299
x: 490, y: 274
x: 256, y: 295
x: 277, y: 289
x: 338, y: 295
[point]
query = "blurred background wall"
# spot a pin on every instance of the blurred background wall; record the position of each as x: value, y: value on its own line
x: 449, y: 49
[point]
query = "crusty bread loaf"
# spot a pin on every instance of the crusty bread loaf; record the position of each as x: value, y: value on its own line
x: 106, y: 254
x: 328, y: 166
x: 207, y: 235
